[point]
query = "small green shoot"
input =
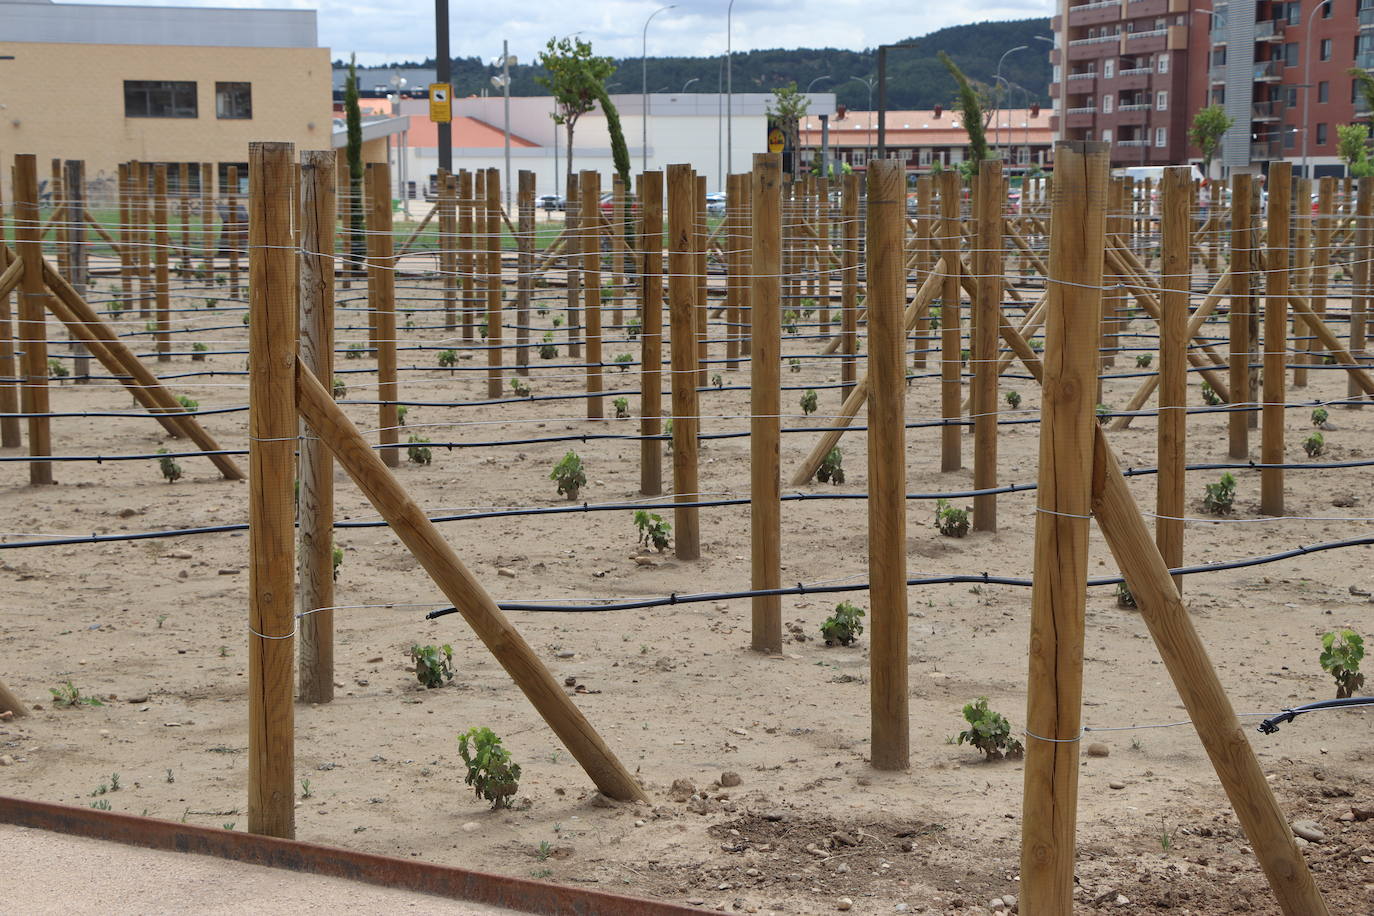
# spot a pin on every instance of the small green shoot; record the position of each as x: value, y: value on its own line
x: 491, y: 773
x: 170, y: 469
x: 843, y: 626
x: 808, y: 401
x: 418, y: 452
x: 521, y: 389
x: 570, y: 475
x: 1319, y: 417
x: 622, y: 408
x: 989, y: 731
x: 1209, y: 396
x: 1342, y: 652
x: 56, y: 369
x: 1220, y: 497
x: 950, y: 521
x: 653, y: 530
x: 1314, y: 445
x: 832, y: 468
x: 433, y: 664
x: 68, y: 696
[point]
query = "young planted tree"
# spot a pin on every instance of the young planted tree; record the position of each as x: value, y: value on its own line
x: 1210, y: 124
x: 1352, y: 144
x: 970, y: 104
x: 354, y: 117
x: 787, y: 108
x: 577, y: 79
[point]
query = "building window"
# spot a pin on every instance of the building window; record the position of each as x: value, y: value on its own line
x: 1326, y: 11
x: 1321, y: 135
x: 1290, y: 137
x: 1164, y: 63
x: 159, y: 99
x: 1162, y: 100
x: 1323, y: 91
x: 1106, y: 135
x: 1109, y: 68
x: 1294, y: 13
x: 1107, y: 104
x: 924, y: 159
x: 1219, y: 95
x: 1219, y: 57
x: 1290, y: 54
x: 1326, y: 45
x: 858, y: 157
x: 1161, y: 137
x: 234, y: 101
x: 1290, y: 96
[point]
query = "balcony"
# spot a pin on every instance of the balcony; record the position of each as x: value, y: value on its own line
x: 1269, y: 72
x: 1082, y: 76
x: 1085, y: 110
x: 1134, y: 106
x: 1133, y: 144
x: 1097, y: 5
x: 1266, y: 151
x: 1136, y: 71
x: 1095, y: 13
x: 1266, y: 111
x: 1152, y: 33
x: 1100, y: 39
x: 1270, y: 30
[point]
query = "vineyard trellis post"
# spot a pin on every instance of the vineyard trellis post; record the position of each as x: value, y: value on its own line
x: 1172, y: 427
x: 1275, y: 338
x: 651, y: 333
x: 589, y: 192
x: 1239, y: 319
x: 765, y: 403
x: 33, y: 375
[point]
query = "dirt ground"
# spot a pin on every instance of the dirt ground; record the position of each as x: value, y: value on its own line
x: 156, y: 629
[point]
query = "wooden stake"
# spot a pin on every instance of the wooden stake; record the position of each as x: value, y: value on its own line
x: 988, y: 275
x: 734, y: 268
x: 493, y: 266
x: 925, y: 208
x: 524, y: 270
x: 317, y: 467
x: 448, y: 246
x: 381, y: 289
x: 651, y: 333
x: 161, y: 274
x: 207, y: 223
x: 681, y: 309
x: 32, y: 325
x: 1301, y: 275
x: 1275, y: 337
x: 703, y: 309
x: 1203, y: 696
x: 232, y: 229
x: 272, y: 329
x: 1242, y: 305
x: 589, y: 191
x: 1055, y: 683
x: 571, y: 220
x: 765, y: 402
x: 822, y: 258
x: 1172, y: 432
x: 951, y: 361
x: 184, y: 215
x: 78, y: 262
x: 467, y: 251
x: 10, y: 436
x: 887, y: 464
x: 849, y: 283
x: 1322, y: 230
x: 618, y: 230
x: 1361, y: 278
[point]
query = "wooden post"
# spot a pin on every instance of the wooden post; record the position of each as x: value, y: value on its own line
x: 849, y: 283
x: 734, y: 268
x: 10, y: 436
x: 467, y: 251
x: 681, y: 310
x: 571, y: 220
x: 1203, y: 696
x: 1275, y: 337
x: 78, y: 263
x: 184, y: 215
x: 232, y: 229
x: 589, y: 191
x: 58, y: 219
x: 126, y: 235
x: 317, y: 466
x: 139, y: 178
x: 382, y: 303
x: 161, y: 275
x: 746, y: 252
x: 524, y: 269
x: 448, y: 243
x: 887, y: 463
x: 1301, y: 282
x: 1064, y: 499
x: 272, y: 421
x: 765, y: 403
x: 651, y: 333
x: 925, y: 200
x: 207, y: 221
x: 28, y: 238
x: 824, y: 251
x: 1242, y: 305
x: 1172, y: 431
x: 617, y: 253
x: 986, y: 340
x: 703, y: 309
x: 1322, y: 230
x: 951, y: 361
x: 1362, y: 273
x: 494, y: 291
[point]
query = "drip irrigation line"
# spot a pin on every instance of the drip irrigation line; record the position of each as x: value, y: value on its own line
x: 1271, y: 725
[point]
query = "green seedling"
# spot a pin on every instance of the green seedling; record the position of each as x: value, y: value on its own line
x: 1143, y: 360
x: 68, y: 695
x: 198, y: 351
x: 210, y: 303
x: 337, y: 557
x: 843, y: 626
x: 949, y: 521
x: 339, y: 389
x: 988, y: 731
x: 546, y: 349
x: 153, y: 327
x: 632, y: 328
x: 622, y: 408
x: 354, y: 351
x: 623, y: 360
x: 1013, y: 399
x: 305, y: 789
x: 1209, y: 396
x: 832, y: 468
x: 418, y: 452
x: 1219, y: 497
x: 808, y: 401
x: 170, y: 469
x: 56, y: 369
x: 1314, y: 445
x: 160, y: 619
x: 934, y: 319
x: 433, y: 664
x: 114, y: 782
x: 187, y: 404
x: 1124, y: 598
x: 1102, y: 411
x: 448, y: 359
x: 491, y: 773
x: 668, y: 431
x: 1342, y: 652
x: 558, y: 321
x: 1037, y: 344
x: 1319, y: 417
x: 794, y: 364
x: 789, y: 321
x: 653, y: 530
x: 521, y: 389
x: 101, y: 804
x: 401, y: 412
x: 717, y: 381
x: 569, y: 474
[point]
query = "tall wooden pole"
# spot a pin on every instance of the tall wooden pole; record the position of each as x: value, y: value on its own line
x: 765, y: 403
x: 849, y: 283
x: 448, y: 246
x: 317, y: 466
x: 32, y: 326
x: 1300, y: 283
x: 272, y: 421
x: 184, y: 215
x: 681, y: 310
x: 139, y: 177
x: 494, y: 291
x: 1242, y: 305
x: 232, y: 228
x: 524, y: 269
x: 207, y: 221
x: 10, y: 436
x: 887, y: 465
x: 572, y: 219
x: 651, y: 333
x: 589, y: 190
x: 1064, y: 499
x: 703, y: 310
x: 161, y: 274
x: 126, y: 234
x: 382, y: 270
x: 951, y: 361
x: 467, y: 250
x: 78, y: 261
x: 1275, y: 337
x: 986, y: 340
x: 734, y: 267
x: 618, y: 229
x: 1363, y: 272
x: 1172, y: 431
x: 1322, y: 230
x: 925, y: 199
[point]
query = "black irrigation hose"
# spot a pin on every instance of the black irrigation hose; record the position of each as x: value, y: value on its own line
x: 1271, y: 725
x: 963, y: 579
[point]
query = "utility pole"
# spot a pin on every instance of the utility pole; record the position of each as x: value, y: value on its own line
x: 443, y: 73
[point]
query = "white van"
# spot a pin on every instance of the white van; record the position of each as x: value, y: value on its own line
x: 1152, y: 172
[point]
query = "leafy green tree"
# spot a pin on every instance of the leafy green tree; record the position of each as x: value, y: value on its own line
x: 970, y: 105
x: 577, y: 79
x: 787, y: 107
x: 1366, y: 83
x: 354, y: 117
x: 1210, y: 124
x: 1352, y: 143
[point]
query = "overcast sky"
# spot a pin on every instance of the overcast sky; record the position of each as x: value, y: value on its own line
x: 387, y: 30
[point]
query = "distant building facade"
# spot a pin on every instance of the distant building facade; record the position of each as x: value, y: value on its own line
x: 925, y: 138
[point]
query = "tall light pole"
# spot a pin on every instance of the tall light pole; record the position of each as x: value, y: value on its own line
x: 695, y: 79
x: 503, y: 83
x: 1307, y: 83
x: 997, y: 118
x: 817, y: 80
x: 729, y: 92
x: 870, y: 82
x: 644, y: 90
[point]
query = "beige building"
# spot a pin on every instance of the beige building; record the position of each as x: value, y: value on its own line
x: 107, y: 84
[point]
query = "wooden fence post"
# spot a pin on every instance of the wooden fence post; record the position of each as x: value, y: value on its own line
x: 1300, y: 283
x: 495, y: 357
x: 524, y: 269
x: 951, y: 361
x: 184, y: 216
x: 986, y: 340
x: 734, y: 269
x: 925, y: 200
x: 1322, y: 230
x: 746, y: 254
x: 448, y: 244
x: 382, y: 303
x: 824, y: 252
x: 162, y: 278
x: 207, y: 221
x: 1064, y: 499
x: 651, y: 333
x: 572, y: 218
x: 126, y: 235
x: 78, y: 263
x: 703, y: 309
x: 10, y: 435
x: 1172, y: 430
x: 32, y: 326
x: 849, y: 284
x: 1275, y: 337
x: 1242, y: 305
x: 589, y: 191
x: 467, y: 250
x: 1360, y: 254
x: 887, y: 464
x: 138, y: 218
x: 316, y: 465
x: 618, y: 228
x: 272, y: 331
x: 682, y: 313
x: 232, y: 229
x: 765, y: 405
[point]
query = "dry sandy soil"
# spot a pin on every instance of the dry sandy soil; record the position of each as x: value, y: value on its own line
x: 157, y: 630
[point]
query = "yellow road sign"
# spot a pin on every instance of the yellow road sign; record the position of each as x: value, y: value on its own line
x: 440, y: 103
x: 776, y: 141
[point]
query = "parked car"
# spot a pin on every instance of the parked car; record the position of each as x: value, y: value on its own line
x: 715, y: 202
x: 551, y: 202
x: 608, y: 203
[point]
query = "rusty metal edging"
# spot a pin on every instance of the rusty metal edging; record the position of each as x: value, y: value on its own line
x: 311, y: 858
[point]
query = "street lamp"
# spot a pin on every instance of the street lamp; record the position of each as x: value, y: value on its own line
x: 1307, y: 82
x: 997, y: 118
x: 817, y: 80
x: 870, y: 82
x: 695, y: 79
x: 502, y: 82
x: 644, y: 88
x: 729, y: 92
